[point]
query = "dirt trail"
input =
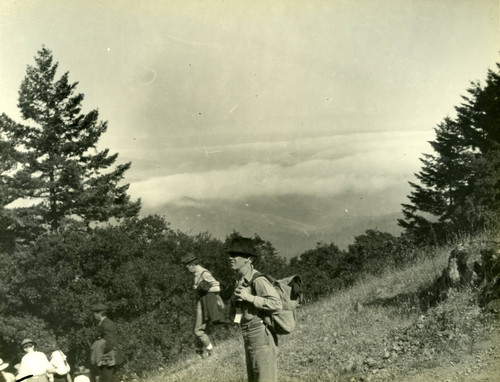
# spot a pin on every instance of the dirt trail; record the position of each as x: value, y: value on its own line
x: 482, y: 366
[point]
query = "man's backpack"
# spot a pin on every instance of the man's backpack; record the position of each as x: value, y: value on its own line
x: 290, y: 292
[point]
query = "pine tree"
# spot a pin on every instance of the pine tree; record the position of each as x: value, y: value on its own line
x: 459, y: 190
x: 61, y: 169
x: 8, y: 160
x: 480, y: 118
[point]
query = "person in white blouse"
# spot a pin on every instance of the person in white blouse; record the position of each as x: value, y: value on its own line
x: 60, y: 365
x: 34, y: 363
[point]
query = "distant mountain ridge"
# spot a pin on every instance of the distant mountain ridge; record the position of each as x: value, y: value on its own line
x: 293, y: 225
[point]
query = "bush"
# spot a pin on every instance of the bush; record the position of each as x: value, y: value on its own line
x: 134, y: 267
x: 490, y: 292
x: 374, y: 252
x: 323, y: 270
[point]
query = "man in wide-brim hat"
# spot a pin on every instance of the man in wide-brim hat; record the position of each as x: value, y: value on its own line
x: 253, y: 298
x: 209, y: 304
x: 241, y: 245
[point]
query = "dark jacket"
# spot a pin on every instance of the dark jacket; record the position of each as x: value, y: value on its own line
x: 107, y: 331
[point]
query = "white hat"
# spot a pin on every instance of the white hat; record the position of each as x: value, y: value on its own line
x: 3, y: 365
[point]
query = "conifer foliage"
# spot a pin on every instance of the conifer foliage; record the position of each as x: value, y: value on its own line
x: 459, y: 190
x: 8, y: 155
x: 58, y: 164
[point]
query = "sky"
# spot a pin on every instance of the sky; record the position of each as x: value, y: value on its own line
x: 236, y: 100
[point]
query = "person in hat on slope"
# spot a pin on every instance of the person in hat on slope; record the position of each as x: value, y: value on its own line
x: 105, y: 352
x: 5, y: 376
x: 248, y: 305
x: 34, y: 363
x: 209, y: 304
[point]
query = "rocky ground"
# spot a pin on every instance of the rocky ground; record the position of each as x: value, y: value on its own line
x: 482, y: 365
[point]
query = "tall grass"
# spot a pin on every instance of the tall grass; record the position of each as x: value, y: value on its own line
x: 378, y: 329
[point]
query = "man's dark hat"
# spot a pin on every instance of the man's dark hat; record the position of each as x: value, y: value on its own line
x: 188, y: 258
x: 241, y: 245
x: 99, y: 307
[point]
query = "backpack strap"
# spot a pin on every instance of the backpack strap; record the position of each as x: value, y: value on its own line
x: 200, y: 277
x: 266, y: 317
x: 255, y: 276
x: 252, y: 286
x: 258, y: 274
x: 63, y: 356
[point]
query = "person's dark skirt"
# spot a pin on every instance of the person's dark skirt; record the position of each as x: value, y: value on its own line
x: 60, y: 378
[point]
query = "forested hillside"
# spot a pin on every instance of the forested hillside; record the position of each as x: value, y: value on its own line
x: 403, y: 325
x: 71, y: 237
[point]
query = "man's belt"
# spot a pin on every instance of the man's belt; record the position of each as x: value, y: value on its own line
x: 251, y: 325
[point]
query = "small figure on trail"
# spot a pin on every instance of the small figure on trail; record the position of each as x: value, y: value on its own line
x: 209, y: 304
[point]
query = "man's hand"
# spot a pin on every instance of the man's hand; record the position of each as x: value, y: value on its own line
x: 243, y: 294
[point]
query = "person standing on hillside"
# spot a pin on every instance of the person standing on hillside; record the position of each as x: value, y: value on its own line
x: 209, y: 304
x: 34, y: 364
x: 249, y: 304
x: 105, y: 352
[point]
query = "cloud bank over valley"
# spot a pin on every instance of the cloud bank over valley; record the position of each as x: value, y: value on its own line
x: 361, y: 163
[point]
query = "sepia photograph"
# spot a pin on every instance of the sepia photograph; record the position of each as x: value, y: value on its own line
x: 261, y: 191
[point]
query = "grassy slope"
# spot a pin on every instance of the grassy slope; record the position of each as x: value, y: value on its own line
x: 377, y: 330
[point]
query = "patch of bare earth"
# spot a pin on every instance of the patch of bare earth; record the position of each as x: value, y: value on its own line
x: 482, y: 365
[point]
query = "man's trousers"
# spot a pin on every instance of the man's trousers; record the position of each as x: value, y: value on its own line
x: 260, y: 353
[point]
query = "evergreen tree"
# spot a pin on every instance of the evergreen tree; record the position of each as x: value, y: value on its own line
x: 459, y: 190
x: 8, y: 155
x: 60, y: 169
x: 443, y: 183
x: 8, y: 160
x: 480, y: 118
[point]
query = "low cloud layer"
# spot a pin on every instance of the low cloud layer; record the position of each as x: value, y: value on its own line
x: 322, y: 166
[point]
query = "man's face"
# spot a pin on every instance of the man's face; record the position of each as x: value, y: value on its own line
x: 236, y: 261
x: 191, y: 268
